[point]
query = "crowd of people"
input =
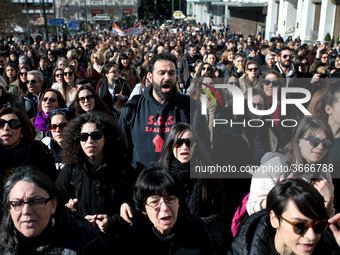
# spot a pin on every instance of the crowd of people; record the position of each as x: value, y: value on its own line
x: 101, y: 136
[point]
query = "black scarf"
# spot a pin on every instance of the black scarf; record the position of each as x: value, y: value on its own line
x: 192, y: 186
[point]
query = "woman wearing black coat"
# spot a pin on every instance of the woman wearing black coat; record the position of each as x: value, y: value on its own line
x: 93, y: 183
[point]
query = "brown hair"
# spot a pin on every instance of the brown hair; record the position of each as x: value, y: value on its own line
x: 61, y: 100
x: 27, y: 129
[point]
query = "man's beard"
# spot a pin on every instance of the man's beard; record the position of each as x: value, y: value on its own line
x: 286, y: 65
x: 158, y: 90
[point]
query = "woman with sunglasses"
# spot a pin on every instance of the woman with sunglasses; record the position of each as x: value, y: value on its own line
x: 70, y: 77
x: 22, y: 80
x: 34, y: 221
x: 61, y: 85
x: 302, y: 67
x: 92, y: 181
x: 18, y: 147
x: 329, y: 111
x: 164, y: 225
x: 50, y: 99
x: 87, y: 101
x: 95, y: 66
x: 182, y: 148
x: 205, y: 68
x: 267, y: 83
x: 251, y: 76
x: 57, y: 123
x: 305, y: 156
x: 294, y: 222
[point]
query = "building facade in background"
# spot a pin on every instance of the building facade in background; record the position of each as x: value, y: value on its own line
x: 309, y: 19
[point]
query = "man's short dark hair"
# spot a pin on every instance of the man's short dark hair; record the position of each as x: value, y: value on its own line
x: 231, y: 41
x: 108, y: 66
x: 162, y: 56
x: 191, y: 46
x: 285, y: 48
x: 303, y: 47
x: 264, y: 47
x: 83, y: 80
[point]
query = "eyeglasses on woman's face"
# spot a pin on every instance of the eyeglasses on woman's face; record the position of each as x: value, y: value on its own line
x: 301, y: 227
x: 155, y: 202
x: 88, y: 97
x: 34, y: 203
x: 14, y: 124
x: 68, y: 73
x: 315, y: 141
x: 96, y: 135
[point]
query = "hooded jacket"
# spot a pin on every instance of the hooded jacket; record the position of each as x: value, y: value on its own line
x: 147, y: 123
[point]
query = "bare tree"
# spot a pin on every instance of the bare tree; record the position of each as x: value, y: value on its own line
x: 11, y: 15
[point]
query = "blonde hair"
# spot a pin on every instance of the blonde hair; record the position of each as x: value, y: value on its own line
x: 100, y: 56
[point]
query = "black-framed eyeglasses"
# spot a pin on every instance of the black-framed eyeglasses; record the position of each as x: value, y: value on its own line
x: 301, y: 227
x: 22, y: 73
x: 96, y: 135
x: 315, y: 141
x: 88, y: 97
x: 59, y: 74
x: 260, y: 104
x: 286, y: 56
x: 53, y: 127
x: 31, y: 81
x: 274, y: 83
x: 34, y: 203
x: 68, y: 73
x: 188, y: 142
x: 49, y: 99
x: 156, y: 201
x: 12, y: 123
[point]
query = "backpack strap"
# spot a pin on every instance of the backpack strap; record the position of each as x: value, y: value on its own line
x: 132, y: 106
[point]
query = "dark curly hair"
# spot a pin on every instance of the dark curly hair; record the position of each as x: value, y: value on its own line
x: 114, y: 148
